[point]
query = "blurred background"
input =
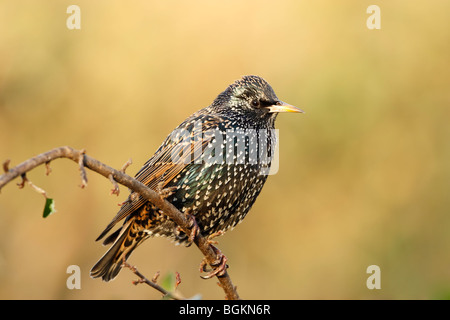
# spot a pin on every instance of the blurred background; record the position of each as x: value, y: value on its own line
x: 364, y: 174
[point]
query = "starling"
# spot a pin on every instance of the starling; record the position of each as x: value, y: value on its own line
x: 215, y: 164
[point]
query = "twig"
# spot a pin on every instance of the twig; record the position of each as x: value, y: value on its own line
x: 37, y: 189
x: 152, y: 283
x: 32, y: 185
x: 155, y: 277
x: 133, y: 184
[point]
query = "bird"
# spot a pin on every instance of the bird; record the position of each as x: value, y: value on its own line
x: 215, y: 164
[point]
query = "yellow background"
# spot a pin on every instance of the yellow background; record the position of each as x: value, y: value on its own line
x: 364, y: 174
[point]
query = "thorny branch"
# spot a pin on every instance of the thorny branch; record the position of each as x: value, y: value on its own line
x: 137, y: 187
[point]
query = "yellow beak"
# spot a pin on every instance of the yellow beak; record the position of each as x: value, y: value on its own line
x: 281, y: 106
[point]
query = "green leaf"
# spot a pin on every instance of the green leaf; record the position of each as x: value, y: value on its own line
x: 49, y: 207
x: 168, y: 282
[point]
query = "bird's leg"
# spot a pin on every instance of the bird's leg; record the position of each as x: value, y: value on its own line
x: 164, y: 193
x: 193, y: 226
x: 220, y: 264
x: 214, y: 235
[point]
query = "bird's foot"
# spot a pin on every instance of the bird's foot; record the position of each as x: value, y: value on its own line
x: 212, y: 236
x: 193, y: 227
x: 164, y: 193
x: 219, y: 265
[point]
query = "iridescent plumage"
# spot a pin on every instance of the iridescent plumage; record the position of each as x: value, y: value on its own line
x: 216, y: 161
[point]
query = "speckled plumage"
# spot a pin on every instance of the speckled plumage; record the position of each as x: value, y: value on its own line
x: 217, y: 161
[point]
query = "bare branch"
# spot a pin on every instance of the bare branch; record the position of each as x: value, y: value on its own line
x: 137, y: 187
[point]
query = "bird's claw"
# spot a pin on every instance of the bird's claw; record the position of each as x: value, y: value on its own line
x: 219, y: 265
x: 193, y: 227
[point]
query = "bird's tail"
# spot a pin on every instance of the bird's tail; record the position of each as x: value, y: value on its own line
x: 111, y: 263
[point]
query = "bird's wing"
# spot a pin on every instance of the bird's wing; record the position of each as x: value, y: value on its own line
x: 184, y: 146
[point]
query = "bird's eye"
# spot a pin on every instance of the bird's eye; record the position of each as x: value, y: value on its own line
x: 255, y: 103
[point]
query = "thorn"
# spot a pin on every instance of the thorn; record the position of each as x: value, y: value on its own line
x: 126, y: 165
x: 177, y: 280
x: 155, y: 277
x: 24, y: 179
x: 82, y: 169
x: 6, y: 165
x: 48, y: 170
x: 115, y: 190
x: 138, y: 281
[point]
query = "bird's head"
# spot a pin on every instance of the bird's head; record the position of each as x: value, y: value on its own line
x: 252, y: 95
